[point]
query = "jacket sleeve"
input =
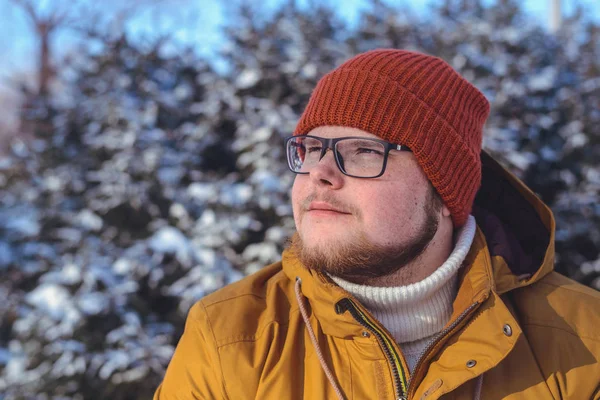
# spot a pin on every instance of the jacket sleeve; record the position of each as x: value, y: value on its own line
x: 570, y: 361
x: 194, y: 371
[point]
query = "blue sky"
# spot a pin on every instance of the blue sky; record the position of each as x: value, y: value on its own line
x: 191, y: 23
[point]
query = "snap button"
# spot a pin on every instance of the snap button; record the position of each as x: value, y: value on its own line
x: 507, y: 330
x: 366, y: 334
x: 471, y: 363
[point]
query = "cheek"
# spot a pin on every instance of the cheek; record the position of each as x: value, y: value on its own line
x: 297, y: 197
x: 389, y: 208
x: 394, y: 212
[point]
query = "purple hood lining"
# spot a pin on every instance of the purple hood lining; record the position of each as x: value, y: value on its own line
x: 512, y: 227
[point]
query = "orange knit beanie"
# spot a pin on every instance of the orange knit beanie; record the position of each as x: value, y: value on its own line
x: 415, y: 100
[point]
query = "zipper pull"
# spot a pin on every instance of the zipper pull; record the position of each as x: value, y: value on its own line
x: 342, y: 306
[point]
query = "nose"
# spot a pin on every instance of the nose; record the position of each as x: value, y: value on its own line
x: 327, y: 173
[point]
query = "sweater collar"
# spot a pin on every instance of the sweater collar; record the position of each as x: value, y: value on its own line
x: 416, y: 311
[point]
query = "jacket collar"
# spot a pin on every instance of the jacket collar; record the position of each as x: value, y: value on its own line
x: 323, y: 295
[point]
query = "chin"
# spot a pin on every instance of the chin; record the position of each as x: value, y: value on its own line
x: 324, y: 235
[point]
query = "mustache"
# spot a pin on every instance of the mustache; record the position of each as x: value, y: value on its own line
x: 333, y: 201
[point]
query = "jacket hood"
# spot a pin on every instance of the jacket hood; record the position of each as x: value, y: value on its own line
x: 518, y: 228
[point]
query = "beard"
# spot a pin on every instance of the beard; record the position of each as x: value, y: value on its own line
x: 360, y: 261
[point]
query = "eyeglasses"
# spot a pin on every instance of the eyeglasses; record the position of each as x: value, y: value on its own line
x: 355, y: 156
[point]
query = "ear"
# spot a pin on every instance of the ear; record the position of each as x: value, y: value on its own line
x: 445, y: 211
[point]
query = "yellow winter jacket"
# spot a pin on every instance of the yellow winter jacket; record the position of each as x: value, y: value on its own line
x: 518, y: 329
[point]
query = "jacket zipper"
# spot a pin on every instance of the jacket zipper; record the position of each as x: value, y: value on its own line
x: 435, y: 341
x: 400, y: 380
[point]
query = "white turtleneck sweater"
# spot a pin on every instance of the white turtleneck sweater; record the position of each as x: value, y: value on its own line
x: 415, y: 313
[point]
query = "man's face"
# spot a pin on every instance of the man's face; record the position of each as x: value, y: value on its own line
x: 363, y: 228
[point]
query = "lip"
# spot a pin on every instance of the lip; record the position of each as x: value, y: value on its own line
x: 323, y: 207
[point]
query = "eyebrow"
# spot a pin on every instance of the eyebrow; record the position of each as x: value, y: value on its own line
x: 365, y: 142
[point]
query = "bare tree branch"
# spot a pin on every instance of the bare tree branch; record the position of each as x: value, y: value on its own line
x: 92, y: 19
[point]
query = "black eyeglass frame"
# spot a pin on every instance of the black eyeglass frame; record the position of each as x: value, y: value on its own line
x: 331, y: 143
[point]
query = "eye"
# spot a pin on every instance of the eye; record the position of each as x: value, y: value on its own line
x: 365, y: 150
x: 313, y: 149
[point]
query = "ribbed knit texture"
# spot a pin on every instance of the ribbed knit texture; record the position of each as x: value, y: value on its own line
x: 412, y: 99
x: 415, y: 313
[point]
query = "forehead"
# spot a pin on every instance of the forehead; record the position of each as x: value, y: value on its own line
x: 340, y: 131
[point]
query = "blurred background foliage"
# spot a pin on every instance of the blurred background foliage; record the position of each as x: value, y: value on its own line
x: 144, y: 179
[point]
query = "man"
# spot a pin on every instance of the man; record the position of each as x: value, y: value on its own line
x: 421, y: 269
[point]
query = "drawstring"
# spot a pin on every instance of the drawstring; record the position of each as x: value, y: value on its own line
x: 313, y: 339
x: 478, y: 386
